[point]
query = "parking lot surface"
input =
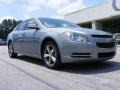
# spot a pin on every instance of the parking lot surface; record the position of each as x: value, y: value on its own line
x: 25, y: 73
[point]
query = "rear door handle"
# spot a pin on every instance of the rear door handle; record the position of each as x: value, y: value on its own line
x: 23, y: 34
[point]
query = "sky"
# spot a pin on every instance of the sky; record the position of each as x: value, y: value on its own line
x: 24, y: 9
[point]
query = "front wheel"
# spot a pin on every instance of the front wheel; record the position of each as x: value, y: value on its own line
x: 11, y: 52
x: 51, y: 55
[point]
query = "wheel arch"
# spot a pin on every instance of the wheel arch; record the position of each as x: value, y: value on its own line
x: 9, y: 41
x: 45, y: 40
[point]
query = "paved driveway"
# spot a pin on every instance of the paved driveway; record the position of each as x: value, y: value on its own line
x: 25, y: 73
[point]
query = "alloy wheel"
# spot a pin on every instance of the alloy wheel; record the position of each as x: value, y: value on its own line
x: 50, y: 55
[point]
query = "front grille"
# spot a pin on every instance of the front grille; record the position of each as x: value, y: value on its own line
x: 106, y: 45
x: 102, y: 36
x: 105, y: 55
x: 80, y: 55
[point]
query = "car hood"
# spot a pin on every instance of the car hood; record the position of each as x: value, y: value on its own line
x: 83, y: 31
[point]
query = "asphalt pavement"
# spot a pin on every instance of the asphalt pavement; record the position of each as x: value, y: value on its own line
x: 25, y: 73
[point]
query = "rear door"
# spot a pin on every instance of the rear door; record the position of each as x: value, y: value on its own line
x: 18, y: 37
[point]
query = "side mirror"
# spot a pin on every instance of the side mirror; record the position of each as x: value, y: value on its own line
x: 33, y: 26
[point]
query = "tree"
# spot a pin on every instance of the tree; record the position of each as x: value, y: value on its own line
x: 7, y: 26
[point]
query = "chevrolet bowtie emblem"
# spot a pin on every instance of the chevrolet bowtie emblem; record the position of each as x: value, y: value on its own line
x: 116, y: 5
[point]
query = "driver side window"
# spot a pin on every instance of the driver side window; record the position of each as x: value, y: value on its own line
x: 31, y: 22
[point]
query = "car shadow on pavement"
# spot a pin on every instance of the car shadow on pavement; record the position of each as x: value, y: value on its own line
x: 91, y: 68
x: 31, y: 60
x: 79, y: 68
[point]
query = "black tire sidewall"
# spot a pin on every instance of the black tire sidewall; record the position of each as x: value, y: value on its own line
x: 13, y: 55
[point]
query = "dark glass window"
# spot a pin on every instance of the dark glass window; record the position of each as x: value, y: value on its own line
x: 32, y: 21
x: 55, y: 23
x: 21, y: 26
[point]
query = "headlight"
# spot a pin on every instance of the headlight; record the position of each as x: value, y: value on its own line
x: 114, y: 37
x: 76, y: 37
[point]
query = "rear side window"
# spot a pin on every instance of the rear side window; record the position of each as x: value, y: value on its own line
x: 21, y: 26
x: 16, y: 28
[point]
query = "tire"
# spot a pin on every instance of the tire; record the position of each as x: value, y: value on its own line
x: 11, y: 52
x: 51, y: 55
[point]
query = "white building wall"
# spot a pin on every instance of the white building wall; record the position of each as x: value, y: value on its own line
x: 98, y: 12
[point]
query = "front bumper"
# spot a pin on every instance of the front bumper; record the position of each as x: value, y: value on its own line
x: 83, y: 52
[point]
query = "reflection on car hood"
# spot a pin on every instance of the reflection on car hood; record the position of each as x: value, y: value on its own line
x: 83, y: 31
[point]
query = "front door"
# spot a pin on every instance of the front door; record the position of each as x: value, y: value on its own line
x: 31, y: 39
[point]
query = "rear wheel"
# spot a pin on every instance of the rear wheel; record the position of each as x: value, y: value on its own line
x: 51, y: 55
x: 11, y: 52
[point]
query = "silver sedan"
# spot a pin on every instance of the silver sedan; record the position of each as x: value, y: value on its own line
x: 58, y: 41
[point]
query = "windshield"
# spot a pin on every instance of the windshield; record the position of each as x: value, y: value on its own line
x: 55, y: 23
